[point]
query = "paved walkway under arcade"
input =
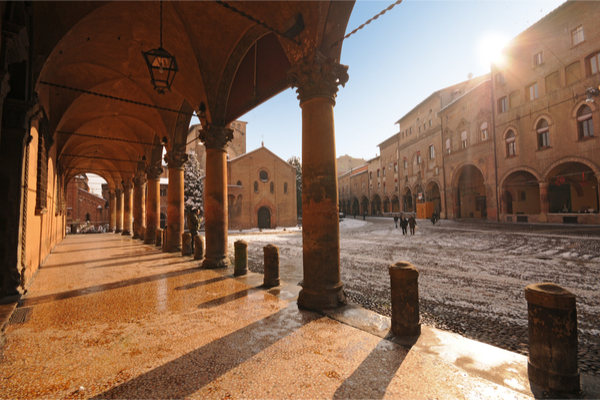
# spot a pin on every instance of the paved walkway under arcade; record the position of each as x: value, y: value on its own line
x: 110, y: 317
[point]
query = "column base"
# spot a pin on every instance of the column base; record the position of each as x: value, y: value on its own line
x: 150, y: 240
x: 211, y: 263
x: 118, y: 230
x: 322, y: 299
x: 135, y: 236
x: 553, y: 381
x: 126, y: 233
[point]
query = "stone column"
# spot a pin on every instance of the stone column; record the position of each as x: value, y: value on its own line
x: 119, y: 221
x: 139, y: 204
x: 113, y: 211
x: 544, y: 204
x: 175, y: 214
x: 153, y: 203
x: 215, y: 196
x: 127, y: 208
x: 316, y: 79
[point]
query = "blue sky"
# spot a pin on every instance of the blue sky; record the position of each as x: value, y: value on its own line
x: 394, y: 63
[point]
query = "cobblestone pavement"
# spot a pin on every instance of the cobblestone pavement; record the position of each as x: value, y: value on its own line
x: 472, y: 275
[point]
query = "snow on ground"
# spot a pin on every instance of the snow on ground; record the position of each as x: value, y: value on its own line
x: 470, y: 274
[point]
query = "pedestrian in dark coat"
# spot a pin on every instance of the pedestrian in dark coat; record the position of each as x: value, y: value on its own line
x: 412, y: 223
x: 396, y: 220
x: 193, y: 221
x: 403, y: 224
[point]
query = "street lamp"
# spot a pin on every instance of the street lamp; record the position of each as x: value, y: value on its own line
x: 161, y: 64
x: 591, y: 92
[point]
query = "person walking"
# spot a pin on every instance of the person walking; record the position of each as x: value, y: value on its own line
x: 412, y: 223
x: 403, y: 224
x: 396, y: 220
x: 193, y: 221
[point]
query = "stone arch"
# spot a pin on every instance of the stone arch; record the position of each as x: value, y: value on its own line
x: 520, y: 192
x: 376, y: 204
x: 460, y: 168
x: 572, y: 186
x: 272, y: 210
x: 364, y: 204
x: 510, y: 127
x: 580, y: 103
x: 541, y: 116
x: 386, y: 204
x: 575, y: 159
x: 395, y: 203
x: 519, y: 168
x: 470, y: 194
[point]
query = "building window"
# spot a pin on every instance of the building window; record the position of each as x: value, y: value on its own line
x: 430, y: 123
x: 395, y: 167
x: 511, y: 146
x: 523, y: 196
x: 383, y: 187
x: 239, y: 183
x: 378, y: 185
x: 448, y: 147
x: 264, y: 176
x: 577, y: 35
x: 371, y: 175
x: 272, y: 187
x: 163, y: 192
x: 484, y: 131
x: 410, y: 130
x: 500, y: 79
x: 255, y: 187
x: 543, y: 134
x: 594, y: 63
x: 431, y: 152
x: 419, y: 128
x: 502, y: 105
x: 378, y: 173
x: 532, y: 92
x: 463, y: 140
x: 538, y: 59
x: 285, y: 188
x: 383, y: 171
x: 573, y: 73
x: 418, y: 157
x: 585, y: 122
x: 425, y: 126
x: 552, y: 82
x: 405, y: 163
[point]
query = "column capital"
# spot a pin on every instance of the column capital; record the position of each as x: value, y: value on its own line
x: 154, y: 171
x: 215, y: 137
x: 127, y: 186
x: 118, y: 192
x: 317, y: 76
x: 175, y: 159
x: 140, y: 180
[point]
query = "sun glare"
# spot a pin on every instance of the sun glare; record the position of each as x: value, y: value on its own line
x: 490, y: 48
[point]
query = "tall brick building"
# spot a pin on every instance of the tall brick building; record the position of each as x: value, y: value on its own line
x: 84, y: 206
x: 517, y: 145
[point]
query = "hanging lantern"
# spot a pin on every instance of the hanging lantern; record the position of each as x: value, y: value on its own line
x: 161, y: 64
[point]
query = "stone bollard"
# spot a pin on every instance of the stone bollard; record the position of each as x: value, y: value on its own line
x: 405, y: 299
x: 552, y: 315
x: 198, y: 247
x: 142, y: 233
x: 271, y: 266
x: 241, y: 258
x: 159, y: 235
x: 186, y: 244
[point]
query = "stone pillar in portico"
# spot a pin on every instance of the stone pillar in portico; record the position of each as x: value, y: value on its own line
x: 127, y: 208
x: 316, y: 79
x: 139, y: 204
x: 215, y: 139
x: 175, y: 215
x: 119, y: 220
x: 544, y: 203
x: 153, y: 203
x: 113, y: 211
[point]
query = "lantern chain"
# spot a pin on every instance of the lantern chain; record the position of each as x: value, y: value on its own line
x: 101, y: 170
x: 161, y: 24
x: 106, y: 138
x: 139, y: 103
x: 97, y: 157
x: 368, y: 22
x: 255, y: 20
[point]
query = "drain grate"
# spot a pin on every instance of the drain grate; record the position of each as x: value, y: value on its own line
x: 20, y: 315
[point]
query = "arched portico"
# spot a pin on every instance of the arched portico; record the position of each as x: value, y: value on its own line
x: 364, y: 205
x: 520, y: 197
x: 469, y: 193
x: 386, y: 204
x: 395, y: 203
x: 433, y: 198
x: 376, y: 205
x: 407, y: 200
x: 355, y: 206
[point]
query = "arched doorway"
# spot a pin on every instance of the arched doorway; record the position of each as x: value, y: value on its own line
x: 376, y: 205
x: 395, y: 204
x: 471, y: 199
x: 163, y: 220
x: 434, y: 199
x: 364, y: 205
x: 355, y: 206
x: 521, y: 194
x: 572, y: 188
x: 264, y: 218
x: 386, y: 204
x: 407, y: 204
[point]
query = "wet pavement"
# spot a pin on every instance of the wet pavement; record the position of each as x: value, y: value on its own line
x: 109, y: 317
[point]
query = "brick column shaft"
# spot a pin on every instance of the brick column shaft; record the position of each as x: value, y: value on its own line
x: 119, y: 220
x: 127, y: 208
x: 153, y: 204
x: 175, y: 210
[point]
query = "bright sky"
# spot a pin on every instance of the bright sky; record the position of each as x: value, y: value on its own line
x: 395, y: 62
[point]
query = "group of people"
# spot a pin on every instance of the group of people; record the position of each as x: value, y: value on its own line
x: 406, y: 223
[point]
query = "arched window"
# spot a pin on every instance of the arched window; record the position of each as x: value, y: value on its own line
x: 543, y: 134
x: 463, y: 140
x: 585, y: 123
x: 448, y: 147
x: 511, y: 146
x: 272, y: 187
x: 484, y: 131
x: 285, y: 188
x: 255, y: 187
x: 239, y: 183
